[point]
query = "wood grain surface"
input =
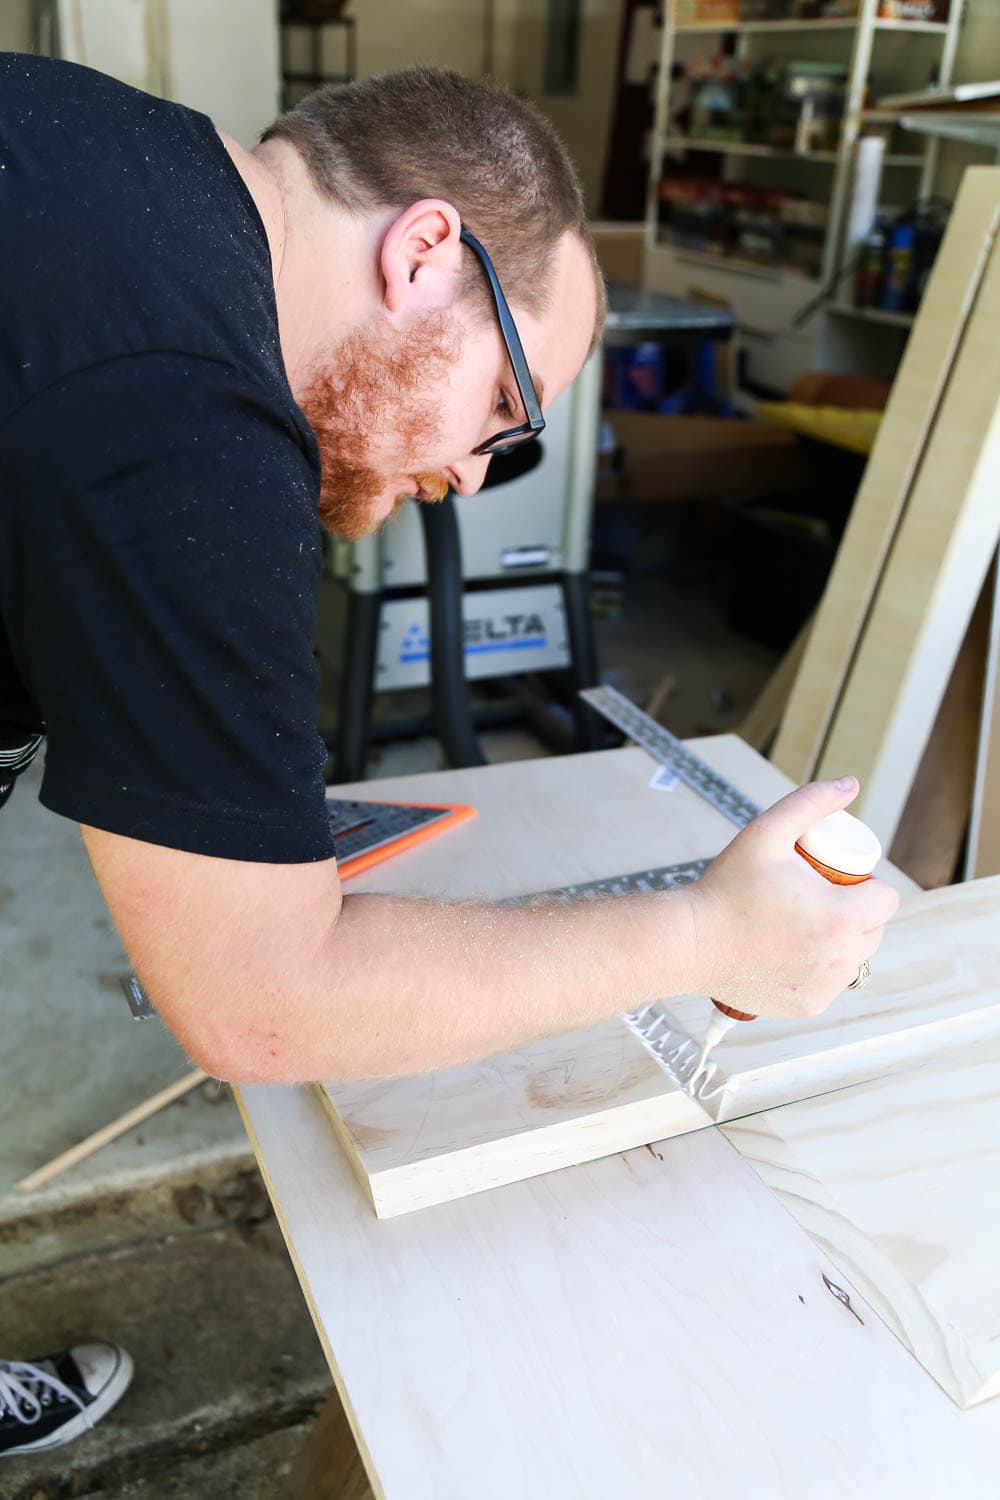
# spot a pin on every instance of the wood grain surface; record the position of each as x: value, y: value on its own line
x: 935, y: 980
x: 898, y: 1182
x: 571, y: 1098
x: 553, y: 1103
x: 562, y: 1100
x: 654, y: 1324
x: 649, y: 1324
x: 942, y: 550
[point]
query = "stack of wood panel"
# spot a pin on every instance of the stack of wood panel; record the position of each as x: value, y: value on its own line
x: 896, y: 680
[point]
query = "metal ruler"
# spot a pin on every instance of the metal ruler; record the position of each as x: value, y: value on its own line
x: 676, y: 1052
x: 663, y: 878
x: 669, y: 751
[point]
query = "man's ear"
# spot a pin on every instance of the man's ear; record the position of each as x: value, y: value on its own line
x: 420, y: 258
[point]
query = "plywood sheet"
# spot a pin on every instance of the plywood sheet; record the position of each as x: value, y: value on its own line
x: 910, y: 414
x: 654, y: 1324
x: 935, y: 979
x: 939, y: 559
x: 898, y: 1181
x: 554, y: 1103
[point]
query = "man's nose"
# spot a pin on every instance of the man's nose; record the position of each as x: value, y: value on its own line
x: 471, y: 472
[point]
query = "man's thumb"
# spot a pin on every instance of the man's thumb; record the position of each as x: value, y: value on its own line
x: 802, y: 809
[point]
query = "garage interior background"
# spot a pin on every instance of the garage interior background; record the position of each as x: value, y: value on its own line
x: 717, y: 513
x: 681, y: 494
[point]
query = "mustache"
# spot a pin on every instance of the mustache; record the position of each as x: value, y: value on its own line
x: 435, y: 486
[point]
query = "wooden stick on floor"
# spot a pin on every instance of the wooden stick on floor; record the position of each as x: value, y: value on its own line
x: 111, y: 1131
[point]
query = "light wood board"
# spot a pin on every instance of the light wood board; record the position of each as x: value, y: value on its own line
x: 935, y: 980
x: 882, y: 497
x: 435, y: 1137
x: 542, y: 824
x: 651, y: 1324
x: 898, y: 1182
x: 554, y: 1103
x: 943, y: 547
x: 439, y: 1136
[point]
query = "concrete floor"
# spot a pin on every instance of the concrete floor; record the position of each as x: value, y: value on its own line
x: 72, y: 1058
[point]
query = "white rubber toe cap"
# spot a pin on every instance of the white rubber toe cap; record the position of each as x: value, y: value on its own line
x: 106, y: 1370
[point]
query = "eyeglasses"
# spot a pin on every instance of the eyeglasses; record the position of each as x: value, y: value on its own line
x: 511, y: 436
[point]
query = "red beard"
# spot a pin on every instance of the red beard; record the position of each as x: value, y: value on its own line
x: 372, y: 389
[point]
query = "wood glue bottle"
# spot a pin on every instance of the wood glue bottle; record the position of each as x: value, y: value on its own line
x: 845, y: 851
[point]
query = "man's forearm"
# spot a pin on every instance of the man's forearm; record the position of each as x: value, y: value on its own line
x: 405, y: 986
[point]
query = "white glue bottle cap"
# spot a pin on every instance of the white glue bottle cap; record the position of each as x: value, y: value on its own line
x: 841, y: 845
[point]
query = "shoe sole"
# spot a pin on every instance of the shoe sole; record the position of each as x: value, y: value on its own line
x: 84, y: 1420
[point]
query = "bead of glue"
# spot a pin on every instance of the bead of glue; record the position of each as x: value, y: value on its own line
x: 841, y: 848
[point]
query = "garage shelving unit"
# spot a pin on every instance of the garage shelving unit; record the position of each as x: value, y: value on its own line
x: 766, y: 298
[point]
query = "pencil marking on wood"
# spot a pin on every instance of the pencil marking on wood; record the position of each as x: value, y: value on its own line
x: 842, y: 1296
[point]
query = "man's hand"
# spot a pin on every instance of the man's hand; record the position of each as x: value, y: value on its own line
x: 776, y: 938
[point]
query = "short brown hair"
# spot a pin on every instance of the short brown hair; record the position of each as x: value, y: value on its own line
x: 391, y: 140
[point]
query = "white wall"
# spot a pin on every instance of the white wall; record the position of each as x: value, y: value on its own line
x: 584, y: 118
x: 219, y: 56
x: 450, y: 33
x: 216, y: 69
x: 405, y: 33
x: 224, y: 61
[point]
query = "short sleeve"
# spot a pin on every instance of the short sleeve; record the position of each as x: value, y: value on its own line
x: 165, y: 593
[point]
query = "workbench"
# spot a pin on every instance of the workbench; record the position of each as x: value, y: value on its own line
x: 652, y: 1324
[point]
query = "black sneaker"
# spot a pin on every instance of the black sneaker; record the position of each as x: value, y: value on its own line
x: 51, y: 1401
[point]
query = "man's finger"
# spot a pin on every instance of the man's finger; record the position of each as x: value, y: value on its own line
x: 802, y: 809
x: 876, y: 902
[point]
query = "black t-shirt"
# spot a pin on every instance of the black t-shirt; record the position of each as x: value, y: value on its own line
x: 159, y: 544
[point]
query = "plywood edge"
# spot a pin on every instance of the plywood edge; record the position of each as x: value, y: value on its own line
x: 340, y: 1384
x: 880, y: 1055
x: 347, y: 1141
x: 567, y: 1143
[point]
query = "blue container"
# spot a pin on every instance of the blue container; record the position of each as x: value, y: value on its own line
x: 898, y: 282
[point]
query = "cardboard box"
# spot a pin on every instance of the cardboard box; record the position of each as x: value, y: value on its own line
x: 695, y: 12
x: 913, y: 10
x: 621, y: 251
x: 700, y: 458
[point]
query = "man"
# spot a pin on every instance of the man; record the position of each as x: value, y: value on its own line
x: 202, y: 349
x: 203, y: 346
